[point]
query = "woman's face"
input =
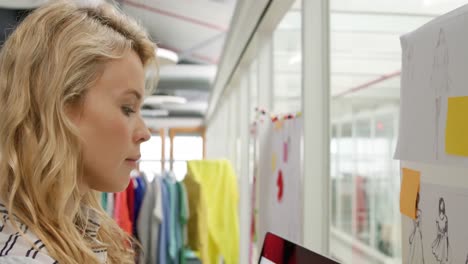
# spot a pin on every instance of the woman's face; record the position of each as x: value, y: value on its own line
x: 111, y: 126
x: 441, y: 206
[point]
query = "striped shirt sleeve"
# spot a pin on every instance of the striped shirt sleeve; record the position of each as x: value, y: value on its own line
x: 18, y: 260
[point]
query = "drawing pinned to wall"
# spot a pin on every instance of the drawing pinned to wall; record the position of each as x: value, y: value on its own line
x: 433, y: 69
x: 280, y: 185
x: 441, y: 245
x: 439, y: 233
x: 416, y: 251
x: 440, y: 82
x: 408, y: 61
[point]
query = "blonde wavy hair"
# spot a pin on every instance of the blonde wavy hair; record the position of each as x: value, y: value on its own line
x: 46, y: 65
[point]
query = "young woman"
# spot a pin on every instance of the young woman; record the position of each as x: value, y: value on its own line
x: 441, y: 246
x: 416, y: 252
x: 72, y: 79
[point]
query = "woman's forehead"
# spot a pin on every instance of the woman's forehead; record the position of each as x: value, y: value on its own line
x: 123, y: 74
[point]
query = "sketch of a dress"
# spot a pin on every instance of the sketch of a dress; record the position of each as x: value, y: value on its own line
x: 416, y: 253
x: 439, y: 81
x: 408, y: 58
x: 441, y: 246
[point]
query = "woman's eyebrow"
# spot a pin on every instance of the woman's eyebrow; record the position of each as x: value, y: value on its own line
x: 133, y: 92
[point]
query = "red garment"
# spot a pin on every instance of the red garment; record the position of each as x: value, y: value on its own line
x: 121, y: 214
x: 131, y: 200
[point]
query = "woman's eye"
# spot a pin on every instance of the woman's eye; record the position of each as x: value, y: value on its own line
x: 127, y: 110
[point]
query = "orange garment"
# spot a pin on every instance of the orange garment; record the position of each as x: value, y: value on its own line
x: 121, y: 214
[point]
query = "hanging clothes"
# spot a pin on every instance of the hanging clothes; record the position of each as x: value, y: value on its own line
x: 183, y: 215
x: 110, y: 204
x: 143, y: 223
x: 131, y: 201
x: 139, y: 186
x: 149, y: 221
x: 214, y: 186
x: 178, y: 218
x: 197, y: 225
x: 162, y: 220
x: 173, y: 219
x: 121, y: 213
x: 164, y: 233
x: 104, y: 201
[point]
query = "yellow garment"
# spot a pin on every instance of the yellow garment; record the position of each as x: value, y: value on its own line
x: 197, y: 227
x: 216, y: 210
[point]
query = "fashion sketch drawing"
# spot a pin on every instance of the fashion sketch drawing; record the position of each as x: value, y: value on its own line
x: 408, y: 58
x: 416, y: 253
x: 441, y: 245
x: 440, y: 83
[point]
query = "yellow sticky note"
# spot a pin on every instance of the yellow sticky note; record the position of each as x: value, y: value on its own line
x: 279, y: 124
x: 273, y: 162
x: 409, y: 192
x: 456, y: 131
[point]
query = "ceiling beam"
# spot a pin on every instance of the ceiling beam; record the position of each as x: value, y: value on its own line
x: 194, y: 56
x: 368, y: 84
x: 175, y: 15
x: 379, y: 13
x: 188, y: 52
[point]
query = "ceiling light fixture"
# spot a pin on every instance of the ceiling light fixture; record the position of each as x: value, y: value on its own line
x: 166, y: 57
x: 164, y: 99
x: 154, y: 113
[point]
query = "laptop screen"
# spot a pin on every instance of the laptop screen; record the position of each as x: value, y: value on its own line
x: 277, y: 250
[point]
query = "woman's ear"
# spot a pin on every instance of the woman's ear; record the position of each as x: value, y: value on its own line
x: 74, y: 110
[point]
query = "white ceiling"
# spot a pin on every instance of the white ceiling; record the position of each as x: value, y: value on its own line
x: 195, y: 29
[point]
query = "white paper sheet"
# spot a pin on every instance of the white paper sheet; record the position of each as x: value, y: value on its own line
x: 437, y: 236
x: 434, y: 67
x: 280, y: 197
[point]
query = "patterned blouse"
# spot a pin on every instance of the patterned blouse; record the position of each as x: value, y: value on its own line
x: 16, y: 248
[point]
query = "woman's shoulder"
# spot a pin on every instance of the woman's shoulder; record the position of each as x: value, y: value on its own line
x: 15, y: 245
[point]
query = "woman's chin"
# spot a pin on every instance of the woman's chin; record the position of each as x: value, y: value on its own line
x: 116, y: 186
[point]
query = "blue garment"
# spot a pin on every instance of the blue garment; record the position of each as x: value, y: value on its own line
x: 164, y: 233
x: 174, y: 219
x: 140, y: 190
